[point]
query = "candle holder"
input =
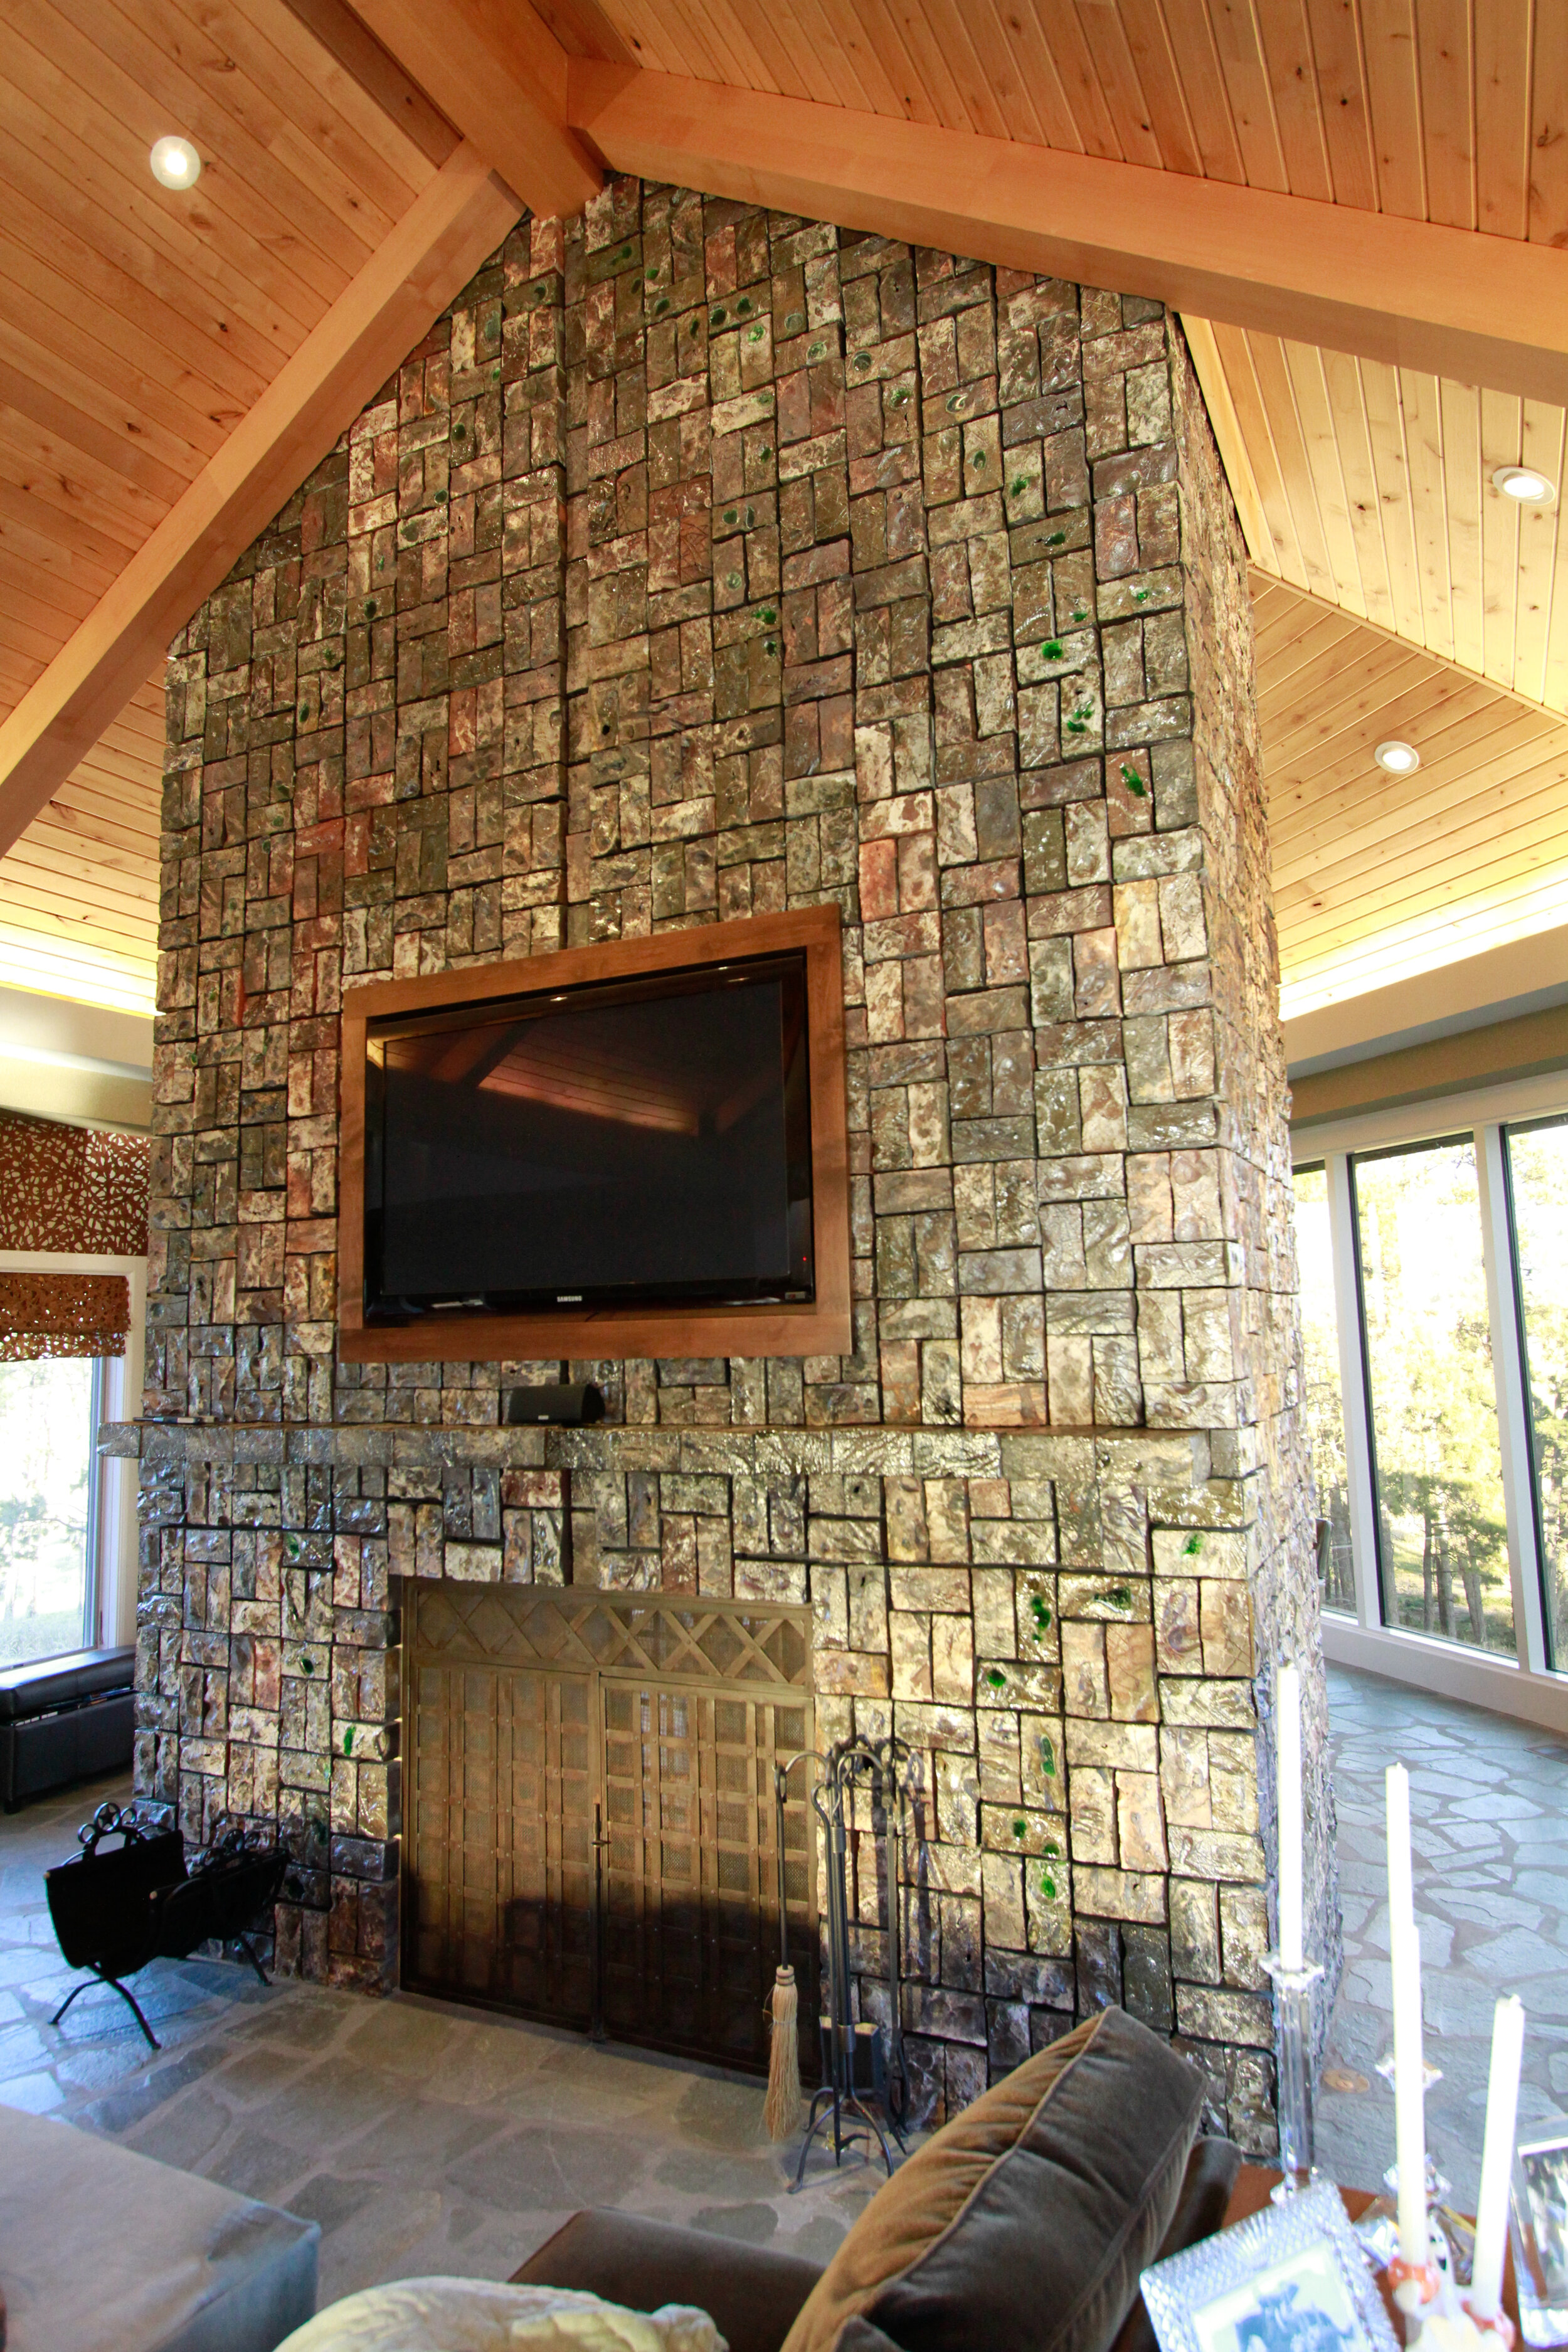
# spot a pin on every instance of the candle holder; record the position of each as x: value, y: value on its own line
x: 1437, y: 2184
x: 1293, y: 2036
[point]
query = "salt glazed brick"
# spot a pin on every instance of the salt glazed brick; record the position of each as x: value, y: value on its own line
x: 704, y: 561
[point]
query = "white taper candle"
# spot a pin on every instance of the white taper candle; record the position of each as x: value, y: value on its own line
x: 1288, y: 1728
x: 1401, y: 1889
x: 1409, y: 2090
x: 1496, y: 2158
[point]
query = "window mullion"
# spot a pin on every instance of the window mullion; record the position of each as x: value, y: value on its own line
x: 1342, y: 1241
x: 1508, y: 1368
x: 92, y: 1561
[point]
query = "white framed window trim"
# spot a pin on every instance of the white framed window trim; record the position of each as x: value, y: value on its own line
x: 119, y: 1394
x: 1525, y: 1686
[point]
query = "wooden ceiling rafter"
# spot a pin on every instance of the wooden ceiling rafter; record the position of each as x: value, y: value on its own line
x: 507, y: 72
x: 1409, y: 292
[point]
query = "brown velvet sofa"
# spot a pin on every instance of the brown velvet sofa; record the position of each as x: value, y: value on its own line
x: 754, y: 2294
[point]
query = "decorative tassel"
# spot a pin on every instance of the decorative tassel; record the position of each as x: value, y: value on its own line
x: 784, y: 2105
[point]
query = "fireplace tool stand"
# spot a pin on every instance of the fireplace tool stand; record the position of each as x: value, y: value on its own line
x: 838, y: 2099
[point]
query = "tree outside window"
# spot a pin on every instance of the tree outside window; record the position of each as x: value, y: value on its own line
x: 1442, y: 1519
x: 47, y: 1430
x: 1537, y: 1184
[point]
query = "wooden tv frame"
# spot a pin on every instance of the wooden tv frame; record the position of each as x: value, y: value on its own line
x: 821, y: 1328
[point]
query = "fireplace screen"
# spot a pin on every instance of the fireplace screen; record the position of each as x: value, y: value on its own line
x: 589, y: 1810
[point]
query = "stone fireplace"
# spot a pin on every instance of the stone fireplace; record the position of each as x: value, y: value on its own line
x: 705, y: 562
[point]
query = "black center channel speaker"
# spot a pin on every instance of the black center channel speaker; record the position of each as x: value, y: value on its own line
x: 564, y: 1404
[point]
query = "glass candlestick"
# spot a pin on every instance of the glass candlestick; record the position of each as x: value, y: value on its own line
x: 1438, y: 2187
x: 1293, y: 2043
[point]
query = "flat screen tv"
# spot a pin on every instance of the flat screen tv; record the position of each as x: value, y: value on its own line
x: 626, y: 1142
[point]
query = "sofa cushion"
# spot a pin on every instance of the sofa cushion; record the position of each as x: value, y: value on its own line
x: 1026, y: 2220
x: 751, y: 2292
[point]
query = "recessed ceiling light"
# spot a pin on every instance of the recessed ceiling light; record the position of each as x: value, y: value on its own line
x: 1399, y: 759
x: 1525, y: 484
x: 175, y: 164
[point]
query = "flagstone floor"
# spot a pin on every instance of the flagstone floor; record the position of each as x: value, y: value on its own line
x: 426, y: 2138
x: 423, y: 2140
x: 1489, y: 1807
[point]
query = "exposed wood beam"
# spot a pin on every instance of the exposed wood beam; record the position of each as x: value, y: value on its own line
x: 1480, y: 309
x: 340, y: 33
x: 382, y: 313
x: 501, y: 76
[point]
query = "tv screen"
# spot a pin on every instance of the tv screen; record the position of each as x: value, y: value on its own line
x: 619, y: 1142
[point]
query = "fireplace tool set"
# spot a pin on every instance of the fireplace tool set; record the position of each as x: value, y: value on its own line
x: 845, y: 2096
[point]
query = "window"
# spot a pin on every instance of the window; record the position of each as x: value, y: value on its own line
x: 1321, y: 1401
x: 1538, y: 1187
x: 1434, y: 1303
x: 49, y: 1411
x: 1442, y: 1526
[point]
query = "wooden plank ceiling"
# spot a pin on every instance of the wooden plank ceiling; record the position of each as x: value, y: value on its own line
x: 1378, y: 877
x: 78, y: 892
x: 1371, y: 487
x: 138, y: 325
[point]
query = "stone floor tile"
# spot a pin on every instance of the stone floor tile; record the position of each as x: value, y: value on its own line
x: 1485, y: 1793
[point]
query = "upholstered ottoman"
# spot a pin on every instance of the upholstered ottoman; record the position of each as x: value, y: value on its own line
x: 101, y: 2251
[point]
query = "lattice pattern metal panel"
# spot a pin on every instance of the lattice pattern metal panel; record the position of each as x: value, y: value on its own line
x: 690, y: 1936
x: 670, y: 1635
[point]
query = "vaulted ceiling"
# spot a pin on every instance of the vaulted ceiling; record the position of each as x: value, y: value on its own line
x: 1361, y: 206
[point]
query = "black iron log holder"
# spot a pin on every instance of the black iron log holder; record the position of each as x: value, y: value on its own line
x: 117, y: 1907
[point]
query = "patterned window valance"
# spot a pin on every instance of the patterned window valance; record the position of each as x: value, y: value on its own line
x: 72, y: 1189
x: 62, y: 1315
